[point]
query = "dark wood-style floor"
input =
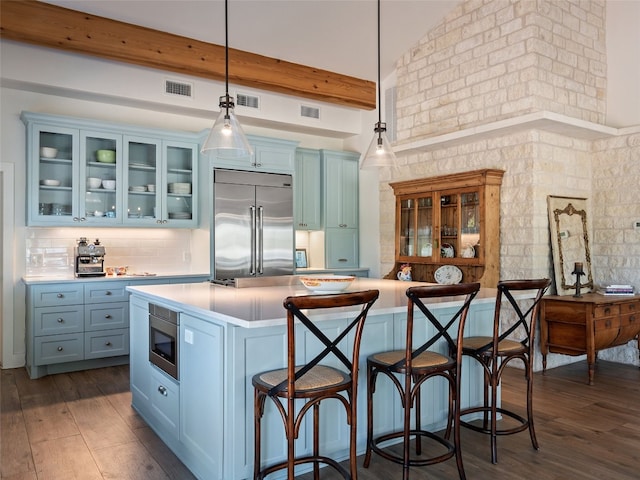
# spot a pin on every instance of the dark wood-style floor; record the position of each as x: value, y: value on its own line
x: 81, y: 426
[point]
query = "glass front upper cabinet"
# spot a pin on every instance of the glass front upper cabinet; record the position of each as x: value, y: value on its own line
x: 101, y: 156
x: 54, y: 180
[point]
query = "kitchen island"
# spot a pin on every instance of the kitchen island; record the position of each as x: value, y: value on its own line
x: 226, y: 335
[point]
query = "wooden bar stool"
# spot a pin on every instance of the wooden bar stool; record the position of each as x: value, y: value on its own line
x: 495, y: 352
x: 408, y: 369
x: 313, y: 382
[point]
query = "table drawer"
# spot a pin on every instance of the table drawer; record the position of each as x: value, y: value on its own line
x: 106, y: 316
x: 58, y: 320
x: 601, y: 311
x: 52, y: 295
x: 102, y: 292
x: 59, y: 349
x: 106, y: 343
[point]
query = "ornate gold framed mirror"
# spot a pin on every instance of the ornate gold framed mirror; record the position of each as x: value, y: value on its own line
x: 569, y: 242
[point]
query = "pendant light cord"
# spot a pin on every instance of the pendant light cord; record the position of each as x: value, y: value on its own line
x: 226, y: 53
x: 379, y: 88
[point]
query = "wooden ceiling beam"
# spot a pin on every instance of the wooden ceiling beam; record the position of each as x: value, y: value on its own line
x: 48, y: 25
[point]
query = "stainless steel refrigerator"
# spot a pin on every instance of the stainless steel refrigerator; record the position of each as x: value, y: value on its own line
x: 253, y: 225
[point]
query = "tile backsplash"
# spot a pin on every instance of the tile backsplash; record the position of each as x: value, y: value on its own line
x: 50, y: 251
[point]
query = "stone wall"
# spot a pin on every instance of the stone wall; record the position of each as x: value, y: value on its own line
x: 492, y: 60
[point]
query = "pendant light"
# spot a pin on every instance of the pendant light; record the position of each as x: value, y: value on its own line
x: 379, y: 153
x: 226, y: 137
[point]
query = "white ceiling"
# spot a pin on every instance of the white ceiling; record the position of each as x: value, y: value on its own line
x: 335, y: 35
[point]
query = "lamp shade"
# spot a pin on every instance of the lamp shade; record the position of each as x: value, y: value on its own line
x: 379, y: 153
x: 226, y: 137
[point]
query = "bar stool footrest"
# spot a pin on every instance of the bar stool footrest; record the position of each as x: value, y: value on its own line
x: 414, y: 462
x: 302, y: 460
x: 524, y: 423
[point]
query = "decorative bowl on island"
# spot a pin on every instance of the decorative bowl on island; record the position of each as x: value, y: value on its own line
x: 326, y: 283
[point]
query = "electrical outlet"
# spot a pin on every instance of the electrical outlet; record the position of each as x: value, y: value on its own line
x: 636, y: 225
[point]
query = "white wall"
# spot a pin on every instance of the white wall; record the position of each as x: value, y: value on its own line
x: 623, y: 72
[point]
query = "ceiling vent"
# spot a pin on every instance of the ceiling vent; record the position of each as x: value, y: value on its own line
x: 180, y: 89
x: 309, y: 112
x: 248, y: 101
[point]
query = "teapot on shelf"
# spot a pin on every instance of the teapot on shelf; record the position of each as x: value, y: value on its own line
x: 405, y: 273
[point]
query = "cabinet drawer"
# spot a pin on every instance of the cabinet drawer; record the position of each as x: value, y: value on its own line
x: 106, y: 316
x: 51, y: 295
x: 165, y: 403
x: 106, y: 343
x: 105, y: 292
x: 606, y: 311
x: 632, y: 307
x: 57, y: 320
x: 59, y: 349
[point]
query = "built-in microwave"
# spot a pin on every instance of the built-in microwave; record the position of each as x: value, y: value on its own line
x: 163, y: 339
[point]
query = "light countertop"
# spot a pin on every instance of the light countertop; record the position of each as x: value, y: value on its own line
x: 262, y: 306
x: 70, y: 278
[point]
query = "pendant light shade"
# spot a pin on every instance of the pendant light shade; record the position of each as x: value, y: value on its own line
x: 227, y: 137
x: 379, y: 153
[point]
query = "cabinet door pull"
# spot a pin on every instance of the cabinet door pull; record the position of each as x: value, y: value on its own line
x: 60, y: 295
x: 107, y: 343
x: 108, y: 292
x: 60, y: 349
x: 162, y: 390
x: 107, y: 316
x: 343, y: 260
x: 60, y: 320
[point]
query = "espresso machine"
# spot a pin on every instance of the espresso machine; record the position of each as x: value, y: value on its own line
x: 89, y: 258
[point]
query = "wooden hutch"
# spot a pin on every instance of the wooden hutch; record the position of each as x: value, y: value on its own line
x: 449, y: 220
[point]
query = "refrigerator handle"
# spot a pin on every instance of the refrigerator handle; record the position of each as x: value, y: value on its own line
x: 260, y: 239
x: 252, y: 266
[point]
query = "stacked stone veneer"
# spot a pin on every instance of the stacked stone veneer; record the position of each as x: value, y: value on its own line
x: 492, y: 60
x: 495, y: 59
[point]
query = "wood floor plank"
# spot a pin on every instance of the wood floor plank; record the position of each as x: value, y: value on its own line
x: 65, y: 458
x: 47, y: 417
x: 128, y: 461
x: 15, y: 455
x: 100, y: 424
x: 161, y: 453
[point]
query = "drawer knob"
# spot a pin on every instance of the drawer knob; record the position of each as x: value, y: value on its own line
x: 108, y: 292
x: 632, y: 319
x: 162, y: 390
x: 108, y: 344
x: 107, y: 316
x: 607, y: 323
x: 60, y: 349
x: 607, y: 310
x: 61, y: 320
x: 60, y: 295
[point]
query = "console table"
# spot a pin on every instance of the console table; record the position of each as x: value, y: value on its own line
x: 587, y: 324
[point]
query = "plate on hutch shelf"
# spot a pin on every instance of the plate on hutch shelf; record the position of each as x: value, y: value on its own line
x: 448, y: 275
x: 447, y: 251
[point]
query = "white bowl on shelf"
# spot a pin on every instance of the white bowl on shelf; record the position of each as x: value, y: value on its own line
x: 322, y: 283
x: 50, y: 183
x: 93, y: 182
x: 48, y: 152
x: 109, y: 184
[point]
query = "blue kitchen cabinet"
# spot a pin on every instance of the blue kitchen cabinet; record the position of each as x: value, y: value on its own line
x: 202, y: 428
x: 154, y: 174
x: 270, y: 155
x: 341, y: 209
x: 307, y: 190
